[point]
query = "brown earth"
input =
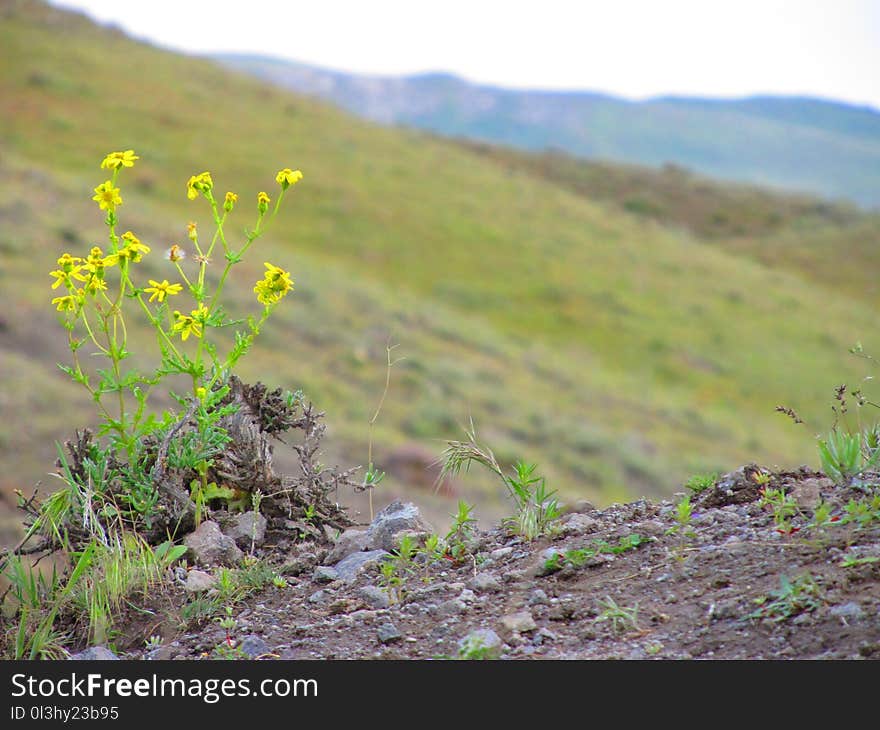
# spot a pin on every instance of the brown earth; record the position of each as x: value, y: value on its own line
x: 716, y: 590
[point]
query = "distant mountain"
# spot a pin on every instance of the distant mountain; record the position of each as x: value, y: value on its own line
x: 801, y: 144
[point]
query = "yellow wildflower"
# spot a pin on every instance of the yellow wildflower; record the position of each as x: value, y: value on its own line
x: 96, y: 262
x: 115, y: 160
x: 67, y: 277
x: 95, y: 284
x: 273, y: 286
x: 263, y: 201
x: 133, y: 249
x: 107, y: 196
x: 68, y: 262
x: 231, y: 200
x: 185, y: 325
x: 69, y: 302
x: 287, y: 177
x: 159, y: 290
x: 201, y: 183
x: 192, y: 231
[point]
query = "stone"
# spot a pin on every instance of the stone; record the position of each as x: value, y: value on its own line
x: 350, y: 541
x: 342, y: 606
x: 388, y: 633
x: 325, y: 574
x: 198, y: 581
x: 485, y: 583
x: 318, y: 597
x: 299, y: 565
x: 452, y: 607
x: 578, y: 524
x: 95, y: 653
x: 851, y: 611
x: 246, y: 528
x: 254, y: 646
x: 162, y: 653
x: 581, y: 506
x: 538, y: 598
x: 480, y: 644
x: 808, y: 493
x: 374, y: 597
x: 501, y: 553
x: 467, y: 596
x: 395, y: 518
x: 519, y: 623
x: 209, y: 546
x: 349, y: 568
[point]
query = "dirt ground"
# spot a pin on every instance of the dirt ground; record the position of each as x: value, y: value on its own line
x: 735, y: 582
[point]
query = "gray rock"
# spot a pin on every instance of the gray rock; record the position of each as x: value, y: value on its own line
x: 538, y: 598
x: 349, y: 568
x: 388, y: 633
x: 808, y: 493
x: 325, y: 574
x: 162, y: 653
x: 209, y: 546
x: 374, y: 597
x: 501, y: 553
x: 519, y: 623
x: 851, y: 611
x: 480, y: 644
x: 350, y: 541
x: 244, y: 528
x: 95, y: 653
x: 485, y: 583
x: 198, y: 581
x: 578, y: 524
x: 581, y: 506
x: 318, y: 597
x: 395, y: 518
x: 254, y: 646
x: 467, y: 596
x: 452, y: 607
x: 299, y: 565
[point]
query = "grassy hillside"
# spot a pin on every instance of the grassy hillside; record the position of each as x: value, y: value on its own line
x: 804, y: 144
x: 833, y: 244
x: 619, y: 352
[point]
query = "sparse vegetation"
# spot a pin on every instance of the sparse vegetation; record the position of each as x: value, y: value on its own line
x: 621, y: 618
x: 536, y: 507
x: 783, y: 506
x: 793, y: 597
x: 701, y: 482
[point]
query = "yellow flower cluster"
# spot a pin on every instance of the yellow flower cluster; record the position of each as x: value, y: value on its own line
x: 190, y: 324
x: 115, y: 160
x: 133, y: 250
x: 201, y: 183
x: 287, y: 177
x: 272, y: 288
x: 73, y: 269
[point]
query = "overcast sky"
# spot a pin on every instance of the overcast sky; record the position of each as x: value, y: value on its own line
x: 635, y: 48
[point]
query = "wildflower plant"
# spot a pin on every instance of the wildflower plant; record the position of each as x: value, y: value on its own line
x: 101, y: 292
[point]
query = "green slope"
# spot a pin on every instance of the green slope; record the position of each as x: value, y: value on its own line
x: 619, y: 353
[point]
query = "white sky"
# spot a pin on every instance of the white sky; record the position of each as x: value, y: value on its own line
x: 634, y: 48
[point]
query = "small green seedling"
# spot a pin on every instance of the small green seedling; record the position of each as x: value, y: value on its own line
x: 701, y: 482
x: 622, y: 618
x: 802, y: 595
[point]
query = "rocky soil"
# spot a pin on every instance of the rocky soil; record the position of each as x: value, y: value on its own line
x: 737, y: 582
